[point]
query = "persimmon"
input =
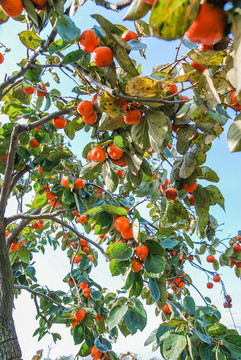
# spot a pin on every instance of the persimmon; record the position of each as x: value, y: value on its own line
x: 1, y: 58
x: 205, y: 47
x: 176, y: 280
x: 41, y: 224
x: 73, y: 324
x: 123, y: 103
x: 40, y: 169
x: 99, y: 317
x: 166, y: 309
x: 150, y: 2
x: 129, y: 35
x: 86, y: 292
x: 80, y: 314
x: 209, y: 26
x: 94, y: 98
x: 6, y: 233
x: 64, y: 181
x: 89, y: 156
x: 210, y: 258
x: 197, y: 67
x: 209, y: 285
x: 132, y: 117
x: 83, y: 285
x: 52, y: 202
x: 181, y: 284
x: 77, y: 259
x: 191, y: 199
x: 127, y: 234
x: 236, y: 247
x: 14, y: 247
x: 85, y: 108
x: 34, y: 225
x: 95, y: 353
x: 142, y: 252
x: 88, y: 41
x: 50, y: 196
x: 238, y: 238
x: 233, y: 102
x: 216, y: 278
x: 121, y: 223
x: 90, y: 257
x: 120, y: 162
x: 79, y: 184
x: 136, y: 265
x: 85, y: 249
x: 119, y: 173
x: 171, y: 193
x: 81, y: 219
x: 114, y: 152
x: 90, y: 119
x: 41, y: 93
x: 190, y: 257
x: 172, y: 88
x: 98, y: 154
x: 60, y: 122
x: 12, y: 8
x: 103, y: 56
x: 34, y: 143
x: 189, y: 188
x: 39, y: 4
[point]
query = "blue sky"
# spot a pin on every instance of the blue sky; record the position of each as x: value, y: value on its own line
x: 54, y: 265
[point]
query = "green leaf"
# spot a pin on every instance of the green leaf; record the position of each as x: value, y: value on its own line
x: 137, y: 10
x: 124, y: 60
x: 115, y: 315
x: 171, y: 18
x: 3, y: 17
x: 78, y: 334
x: 189, y: 305
x: 67, y: 197
x: 137, y: 285
x: 151, y: 338
x: 90, y: 171
x: 84, y: 350
x: 155, y: 292
x: 158, y: 128
x: 216, y: 329
x: 169, y: 243
x: 66, y: 29
x: 188, y: 240
x: 30, y: 39
x: 39, y: 201
x: 234, y: 136
x: 58, y: 45
x: 136, y: 319
x: 154, y: 265
x: 118, y: 267
x: 233, y: 344
x: 208, y: 174
x: 188, y: 165
x: 201, y: 331
x: 216, y: 196
x: 111, y: 209
x: 95, y: 294
x: 173, y: 346
x: 24, y: 254
x: 73, y: 56
x: 33, y: 75
x: 121, y: 251
x: 110, y: 177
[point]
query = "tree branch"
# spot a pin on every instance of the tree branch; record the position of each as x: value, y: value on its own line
x: 31, y: 217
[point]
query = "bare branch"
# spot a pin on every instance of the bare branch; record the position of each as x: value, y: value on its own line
x: 32, y: 217
x: 39, y: 312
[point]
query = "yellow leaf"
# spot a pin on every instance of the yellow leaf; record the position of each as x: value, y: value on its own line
x: 144, y: 87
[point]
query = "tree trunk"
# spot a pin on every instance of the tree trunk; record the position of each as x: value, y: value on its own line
x: 9, y: 346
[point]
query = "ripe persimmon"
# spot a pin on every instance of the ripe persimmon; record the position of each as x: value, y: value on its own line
x: 205, y: 47
x: 85, y: 249
x: 127, y: 234
x: 83, y: 285
x: 1, y: 58
x: 99, y: 317
x: 136, y: 265
x: 64, y: 181
x: 132, y: 117
x: 120, y: 162
x: 209, y: 25
x: 85, y: 108
x: 166, y: 309
x: 210, y: 258
x: 83, y: 242
x: 34, y: 143
x: 80, y: 314
x: 236, y: 247
x: 79, y: 184
x: 114, y: 152
x: 60, y: 122
x: 12, y: 8
x: 77, y: 259
x: 189, y: 188
x: 88, y: 41
x: 41, y: 93
x: 86, y: 292
x: 29, y: 90
x: 81, y: 219
x: 197, y: 67
x: 142, y: 252
x: 216, y: 278
x: 14, y: 247
x: 103, y: 56
x: 171, y: 193
x: 91, y: 118
x: 50, y: 196
x: 98, y: 154
x: 39, y: 4
x: 233, y: 102
x: 95, y: 353
x: 121, y: 223
x: 191, y: 199
x: 172, y: 88
x: 129, y: 35
x: 209, y: 285
x: 89, y: 156
x: 119, y: 173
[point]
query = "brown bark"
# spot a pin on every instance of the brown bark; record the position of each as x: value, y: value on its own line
x: 9, y: 346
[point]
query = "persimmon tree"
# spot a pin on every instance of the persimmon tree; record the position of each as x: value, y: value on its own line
x: 148, y: 145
